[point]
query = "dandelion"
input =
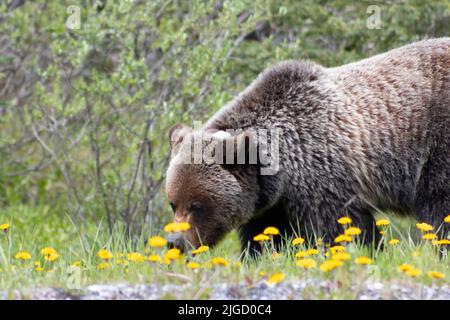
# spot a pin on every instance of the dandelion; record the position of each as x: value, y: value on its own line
x: 306, y: 263
x: 429, y: 236
x: 363, y: 260
x: 435, y: 274
x: 39, y: 269
x: 394, y: 242
x: 447, y: 219
x: 424, y: 226
x: 48, y: 251
x: 382, y: 222
x: 76, y: 263
x: 341, y: 256
x: 330, y: 265
x: 301, y: 254
x: 172, y: 254
x: 154, y: 258
x: 271, y: 231
x: 343, y: 238
x: 193, y: 265
x: 177, y: 227
x: 413, y: 272
x: 218, y: 261
x: 103, y: 266
x: 262, y: 273
x: 4, y: 227
x: 276, y: 278
x: 104, y: 254
x: 312, y: 252
x: 23, y: 255
x: 261, y: 237
x: 200, y: 249
x: 440, y: 242
x: 335, y: 249
x: 136, y: 257
x: 352, y: 231
x: 405, y: 267
x: 297, y: 241
x: 344, y: 220
x: 157, y: 242
x: 382, y: 232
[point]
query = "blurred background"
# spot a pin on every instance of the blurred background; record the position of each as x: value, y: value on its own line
x: 88, y: 89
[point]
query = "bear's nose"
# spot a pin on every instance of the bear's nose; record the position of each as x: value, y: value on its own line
x: 175, y: 240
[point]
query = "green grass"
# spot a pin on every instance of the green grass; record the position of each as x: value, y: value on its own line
x: 34, y: 228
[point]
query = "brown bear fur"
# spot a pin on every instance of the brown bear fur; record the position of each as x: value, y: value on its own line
x: 364, y: 137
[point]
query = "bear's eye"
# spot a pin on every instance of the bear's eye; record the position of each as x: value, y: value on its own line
x: 173, y: 206
x: 195, y: 207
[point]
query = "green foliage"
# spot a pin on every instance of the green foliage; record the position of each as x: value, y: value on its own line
x: 84, y: 112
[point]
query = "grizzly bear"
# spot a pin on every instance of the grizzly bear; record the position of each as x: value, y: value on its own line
x: 370, y: 136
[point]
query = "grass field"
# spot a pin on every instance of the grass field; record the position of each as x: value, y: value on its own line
x: 77, y: 261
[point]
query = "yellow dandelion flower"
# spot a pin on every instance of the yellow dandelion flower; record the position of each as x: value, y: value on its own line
x: 382, y: 222
x: 435, y: 274
x: 177, y: 227
x: 165, y: 261
x: 51, y: 257
x: 218, y: 261
x: 154, y: 258
x: 352, y: 231
x: 103, y: 266
x: 441, y: 242
x: 329, y: 265
x: 76, y: 263
x: 344, y: 220
x: 393, y: 242
x: 200, y: 249
x: 271, y: 231
x: 301, y: 254
x: 363, y: 260
x: 413, y: 272
x: 382, y: 232
x: 172, y: 254
x: 429, y: 236
x: 104, y: 254
x: 193, y: 265
x: 48, y: 251
x: 424, y: 226
x: 343, y: 238
x: 261, y: 237
x: 157, y: 242
x: 405, y: 267
x: 341, y: 256
x: 276, y: 278
x: 335, y: 249
x: 447, y: 219
x: 136, y: 257
x: 306, y: 263
x: 298, y: 241
x: 262, y: 273
x: 312, y: 252
x: 4, y: 227
x: 23, y: 255
x: 39, y: 269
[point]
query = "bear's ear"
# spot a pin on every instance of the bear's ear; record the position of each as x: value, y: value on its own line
x: 176, y: 135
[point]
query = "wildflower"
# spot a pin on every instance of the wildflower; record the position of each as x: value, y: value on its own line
x: 104, y: 254
x: 413, y: 272
x: 441, y: 242
x: 343, y: 238
x: 136, y: 257
x: 312, y: 252
x: 157, y: 242
x: 4, y: 227
x: 382, y: 232
x: 218, y: 261
x: 330, y: 265
x: 298, y: 241
x: 103, y: 266
x: 306, y: 263
x: 394, y: 242
x: 405, y: 267
x: 341, y: 256
x: 429, y: 236
x: 344, y: 220
x: 262, y: 273
x: 193, y: 265
x: 435, y: 274
x: 172, y: 254
x: 446, y: 219
x: 48, y: 251
x: 424, y: 226
x: 276, y: 278
x: 301, y: 254
x: 23, y: 255
x: 271, y: 231
x: 335, y: 249
x: 164, y: 261
x: 352, y: 231
x: 200, y: 249
x: 261, y: 237
x: 363, y: 260
x: 51, y: 257
x: 382, y: 222
x: 39, y: 269
x: 154, y: 258
x: 76, y: 263
x: 177, y: 227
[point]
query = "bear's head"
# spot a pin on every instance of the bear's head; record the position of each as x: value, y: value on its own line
x: 205, y: 185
